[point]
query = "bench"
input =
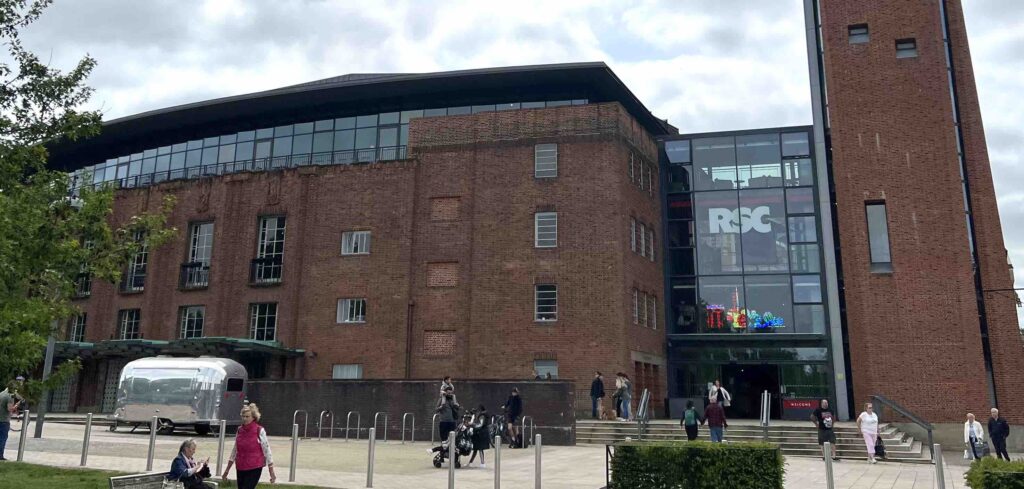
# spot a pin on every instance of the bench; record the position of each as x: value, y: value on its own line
x: 152, y: 480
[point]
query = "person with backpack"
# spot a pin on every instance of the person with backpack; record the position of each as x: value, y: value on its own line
x: 691, y: 420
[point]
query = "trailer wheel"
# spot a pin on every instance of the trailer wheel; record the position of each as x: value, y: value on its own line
x: 202, y: 429
x: 113, y: 427
x: 165, y: 427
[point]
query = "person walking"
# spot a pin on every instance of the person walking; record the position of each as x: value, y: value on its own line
x: 513, y: 409
x: 974, y: 437
x: 718, y: 394
x: 867, y: 423
x: 824, y: 419
x: 998, y: 430
x: 448, y: 408
x: 188, y: 471
x: 481, y: 435
x: 617, y: 396
x: 715, y: 417
x: 251, y: 451
x: 596, y: 396
x: 691, y: 420
x: 8, y: 405
x: 627, y: 397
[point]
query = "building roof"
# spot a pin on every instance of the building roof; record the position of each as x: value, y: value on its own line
x: 353, y: 94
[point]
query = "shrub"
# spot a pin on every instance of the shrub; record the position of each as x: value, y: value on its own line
x: 696, y: 465
x: 992, y: 473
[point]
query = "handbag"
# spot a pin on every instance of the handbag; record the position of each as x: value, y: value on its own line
x: 169, y: 484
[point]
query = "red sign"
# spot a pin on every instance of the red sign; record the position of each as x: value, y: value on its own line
x: 798, y: 404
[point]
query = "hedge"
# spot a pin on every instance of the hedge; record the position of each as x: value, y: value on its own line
x: 696, y: 465
x: 993, y: 473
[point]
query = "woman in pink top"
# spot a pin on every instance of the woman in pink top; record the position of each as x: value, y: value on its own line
x: 251, y: 451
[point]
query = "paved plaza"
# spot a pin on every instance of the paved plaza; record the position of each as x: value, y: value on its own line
x: 336, y: 463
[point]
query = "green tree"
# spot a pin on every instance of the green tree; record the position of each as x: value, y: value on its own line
x: 50, y: 233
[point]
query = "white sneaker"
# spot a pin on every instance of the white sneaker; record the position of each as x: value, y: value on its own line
x: 483, y: 466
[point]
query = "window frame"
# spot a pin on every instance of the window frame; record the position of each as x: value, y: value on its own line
x: 126, y: 316
x: 538, y: 315
x: 351, y: 240
x: 858, y: 34
x: 187, y: 322
x: 878, y: 265
x: 254, y: 318
x: 349, y: 309
x: 545, y: 160
x: 906, y: 48
x: 545, y: 242
x: 358, y: 366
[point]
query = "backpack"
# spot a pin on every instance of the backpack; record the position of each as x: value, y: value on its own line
x: 690, y: 417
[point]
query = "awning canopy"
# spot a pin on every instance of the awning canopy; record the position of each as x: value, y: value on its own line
x: 218, y: 346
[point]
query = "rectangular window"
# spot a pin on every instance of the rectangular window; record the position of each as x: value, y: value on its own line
x: 77, y: 330
x: 632, y: 234
x: 128, y: 324
x: 545, y: 302
x: 632, y: 167
x: 263, y: 321
x: 878, y: 237
x: 545, y: 229
x: 349, y: 371
x: 546, y: 369
x: 191, y: 320
x: 643, y: 309
x: 640, y: 174
x: 134, y: 279
x: 858, y: 33
x: 545, y: 160
x: 650, y: 244
x: 654, y: 312
x: 355, y: 243
x: 269, y: 263
x: 643, y: 239
x: 650, y: 179
x: 200, y: 251
x: 351, y: 311
x: 636, y: 306
x: 906, y: 48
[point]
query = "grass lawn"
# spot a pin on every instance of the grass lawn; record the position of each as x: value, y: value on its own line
x: 20, y: 475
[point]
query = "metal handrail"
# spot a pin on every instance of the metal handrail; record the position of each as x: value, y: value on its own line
x: 912, y: 417
x: 377, y: 415
x: 412, y: 431
x: 305, y: 421
x: 434, y: 422
x: 320, y: 425
x: 522, y: 431
x: 348, y: 422
x: 643, y: 414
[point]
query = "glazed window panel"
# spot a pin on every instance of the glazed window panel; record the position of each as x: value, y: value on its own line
x: 347, y: 371
x: 762, y: 228
x: 545, y: 302
x: 718, y: 237
x: 128, y: 321
x: 800, y: 201
x: 758, y: 161
x: 806, y: 288
x: 798, y: 173
x: 263, y: 321
x: 769, y: 304
x: 795, y: 144
x: 352, y: 311
x: 721, y: 299
x: 714, y: 163
x: 546, y: 229
x: 191, y: 321
x: 805, y: 258
x: 355, y: 243
x: 545, y: 161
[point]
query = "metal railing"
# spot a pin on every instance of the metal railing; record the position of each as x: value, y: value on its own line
x: 522, y: 431
x: 264, y: 271
x: 194, y: 275
x: 347, y: 157
x: 305, y: 421
x: 643, y: 414
x: 412, y: 431
x: 132, y: 282
x: 348, y: 423
x: 375, y: 417
x: 320, y: 425
x: 912, y: 417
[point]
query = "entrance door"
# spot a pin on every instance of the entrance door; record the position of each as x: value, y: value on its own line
x: 746, y: 383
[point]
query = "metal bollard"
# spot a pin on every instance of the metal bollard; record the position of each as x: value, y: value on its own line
x: 829, y: 476
x: 451, y: 460
x: 497, y: 461
x: 940, y: 472
x: 23, y: 439
x: 152, y: 444
x: 220, y: 444
x: 537, y: 446
x: 85, y: 441
x: 369, y: 464
x: 295, y: 452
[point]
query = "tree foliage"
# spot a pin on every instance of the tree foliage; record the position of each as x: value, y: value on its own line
x: 50, y: 233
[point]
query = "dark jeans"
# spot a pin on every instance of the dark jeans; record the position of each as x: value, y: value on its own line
x: 5, y: 428
x: 1000, y: 446
x: 444, y: 428
x: 247, y: 479
x: 691, y: 432
x: 593, y: 407
x: 974, y: 447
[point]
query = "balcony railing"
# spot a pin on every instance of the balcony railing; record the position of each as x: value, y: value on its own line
x: 83, y: 286
x: 133, y: 283
x: 349, y: 157
x: 266, y: 271
x: 194, y: 275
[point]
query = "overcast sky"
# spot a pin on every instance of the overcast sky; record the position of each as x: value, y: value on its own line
x: 704, y: 65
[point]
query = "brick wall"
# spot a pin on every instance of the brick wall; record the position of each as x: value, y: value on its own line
x: 914, y: 333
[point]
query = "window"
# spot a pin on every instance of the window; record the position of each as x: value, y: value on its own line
x: 134, y: 279
x: 355, y: 243
x: 352, y: 311
x: 636, y: 306
x: 349, y: 371
x: 906, y: 48
x: 632, y: 167
x: 546, y: 368
x: 269, y: 262
x: 650, y: 244
x: 653, y: 315
x: 545, y: 302
x: 263, y: 321
x: 235, y: 385
x: 196, y: 273
x: 545, y: 229
x: 545, y: 160
x: 643, y: 309
x: 643, y: 239
x: 77, y: 330
x: 190, y: 320
x: 878, y: 237
x: 633, y: 233
x: 128, y: 324
x: 650, y: 179
x: 858, y: 33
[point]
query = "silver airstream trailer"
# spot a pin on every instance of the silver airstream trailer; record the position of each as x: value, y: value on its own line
x: 196, y: 392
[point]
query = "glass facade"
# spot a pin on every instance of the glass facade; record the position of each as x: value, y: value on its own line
x: 744, y: 264
x: 338, y: 141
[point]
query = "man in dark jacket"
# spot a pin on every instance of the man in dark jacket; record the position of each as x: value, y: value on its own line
x: 715, y: 417
x: 513, y: 409
x: 596, y: 395
x: 448, y: 408
x: 998, y: 430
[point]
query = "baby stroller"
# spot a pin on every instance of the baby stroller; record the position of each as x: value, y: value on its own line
x: 463, y: 445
